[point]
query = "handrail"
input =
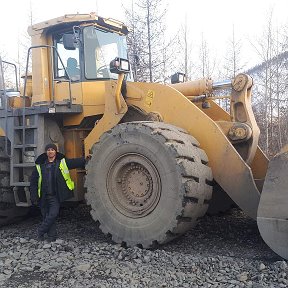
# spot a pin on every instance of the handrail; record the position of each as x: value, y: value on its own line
x: 53, y: 48
x: 6, y: 104
x: 16, y: 77
x: 52, y: 72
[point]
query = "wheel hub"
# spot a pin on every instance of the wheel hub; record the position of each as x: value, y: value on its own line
x: 133, y: 185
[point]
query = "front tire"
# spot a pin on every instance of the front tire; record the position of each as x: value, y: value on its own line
x: 147, y: 183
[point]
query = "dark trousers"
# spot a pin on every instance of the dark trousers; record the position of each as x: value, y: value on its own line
x: 49, y: 210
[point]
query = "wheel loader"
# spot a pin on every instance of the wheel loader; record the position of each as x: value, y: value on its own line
x: 159, y: 153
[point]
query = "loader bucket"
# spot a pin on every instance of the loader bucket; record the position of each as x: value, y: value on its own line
x: 272, y: 216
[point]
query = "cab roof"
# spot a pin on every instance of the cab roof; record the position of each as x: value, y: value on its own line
x: 77, y: 19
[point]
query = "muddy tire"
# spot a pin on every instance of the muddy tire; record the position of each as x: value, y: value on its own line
x: 9, y: 212
x: 147, y: 183
x: 5, y: 189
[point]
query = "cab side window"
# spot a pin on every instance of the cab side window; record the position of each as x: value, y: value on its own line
x: 70, y: 59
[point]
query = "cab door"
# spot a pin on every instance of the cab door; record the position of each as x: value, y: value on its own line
x: 67, y: 72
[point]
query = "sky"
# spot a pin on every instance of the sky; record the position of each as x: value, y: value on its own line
x: 211, y: 19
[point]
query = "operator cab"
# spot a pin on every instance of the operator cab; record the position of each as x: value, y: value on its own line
x: 86, y: 52
x: 72, y: 56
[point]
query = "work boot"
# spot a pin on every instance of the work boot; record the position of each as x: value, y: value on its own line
x: 51, y: 238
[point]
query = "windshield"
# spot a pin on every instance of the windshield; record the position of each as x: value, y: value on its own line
x: 100, y: 48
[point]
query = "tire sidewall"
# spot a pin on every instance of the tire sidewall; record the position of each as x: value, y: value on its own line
x: 113, y: 146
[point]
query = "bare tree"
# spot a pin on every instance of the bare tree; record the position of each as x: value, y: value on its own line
x: 135, y: 44
x: 271, y: 82
x: 23, y: 44
x: 233, y: 61
x: 207, y: 63
x: 146, y: 20
x: 169, y: 65
x: 184, y: 51
x: 232, y: 66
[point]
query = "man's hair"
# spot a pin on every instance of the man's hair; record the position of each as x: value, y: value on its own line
x: 52, y: 146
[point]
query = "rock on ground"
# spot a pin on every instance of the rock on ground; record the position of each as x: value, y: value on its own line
x: 222, y: 251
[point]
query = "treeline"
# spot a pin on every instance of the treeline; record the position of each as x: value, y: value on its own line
x: 155, y: 56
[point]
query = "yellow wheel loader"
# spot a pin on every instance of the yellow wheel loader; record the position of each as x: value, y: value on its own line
x: 157, y: 150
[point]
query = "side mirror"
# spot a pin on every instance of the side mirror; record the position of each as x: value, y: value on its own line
x: 69, y: 41
x: 119, y: 65
x: 178, y: 78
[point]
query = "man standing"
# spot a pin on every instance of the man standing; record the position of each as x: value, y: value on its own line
x: 50, y: 184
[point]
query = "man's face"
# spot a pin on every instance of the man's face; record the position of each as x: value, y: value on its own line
x: 51, y: 153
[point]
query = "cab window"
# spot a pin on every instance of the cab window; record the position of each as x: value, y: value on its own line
x: 70, y: 59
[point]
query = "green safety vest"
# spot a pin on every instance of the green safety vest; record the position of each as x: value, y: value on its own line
x: 65, y: 173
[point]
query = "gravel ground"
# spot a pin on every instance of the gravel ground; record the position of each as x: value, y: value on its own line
x: 223, y: 251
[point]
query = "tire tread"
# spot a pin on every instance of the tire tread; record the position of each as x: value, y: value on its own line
x: 193, y: 170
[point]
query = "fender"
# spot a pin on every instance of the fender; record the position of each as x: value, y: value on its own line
x: 229, y: 169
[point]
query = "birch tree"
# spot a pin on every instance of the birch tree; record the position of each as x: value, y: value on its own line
x: 233, y: 64
x: 207, y: 63
x: 185, y: 51
x: 146, y: 20
x: 271, y: 87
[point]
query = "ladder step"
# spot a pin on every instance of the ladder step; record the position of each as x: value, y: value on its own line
x: 23, y: 204
x: 19, y: 146
x: 23, y: 165
x: 25, y: 127
x: 21, y: 184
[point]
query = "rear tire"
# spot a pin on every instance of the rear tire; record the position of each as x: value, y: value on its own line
x: 147, y: 183
x: 9, y: 212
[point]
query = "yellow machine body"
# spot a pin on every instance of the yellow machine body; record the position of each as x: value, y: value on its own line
x: 230, y: 140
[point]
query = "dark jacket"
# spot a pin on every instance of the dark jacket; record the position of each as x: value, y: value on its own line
x: 62, y: 191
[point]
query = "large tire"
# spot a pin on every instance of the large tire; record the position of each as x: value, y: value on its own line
x: 5, y: 190
x: 9, y: 212
x: 147, y: 183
